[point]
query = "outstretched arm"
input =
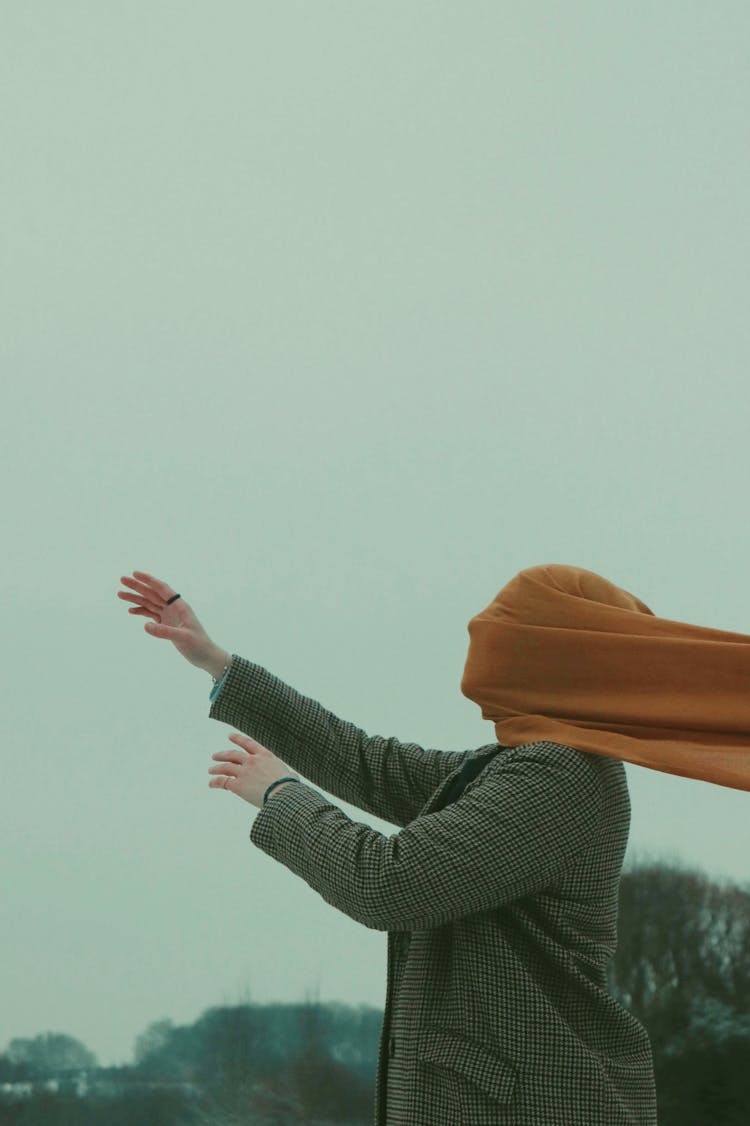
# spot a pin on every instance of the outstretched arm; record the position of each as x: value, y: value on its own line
x: 515, y: 829
x: 383, y: 776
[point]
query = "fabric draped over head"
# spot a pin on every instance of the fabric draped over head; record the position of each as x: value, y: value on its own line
x: 563, y: 655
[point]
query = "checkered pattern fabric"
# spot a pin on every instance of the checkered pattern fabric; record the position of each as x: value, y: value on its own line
x: 500, y: 908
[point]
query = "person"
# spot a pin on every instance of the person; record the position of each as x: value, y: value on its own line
x: 499, y: 896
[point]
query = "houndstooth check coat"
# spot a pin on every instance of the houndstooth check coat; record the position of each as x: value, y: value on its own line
x: 500, y: 909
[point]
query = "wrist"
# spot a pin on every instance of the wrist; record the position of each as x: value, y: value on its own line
x: 217, y: 661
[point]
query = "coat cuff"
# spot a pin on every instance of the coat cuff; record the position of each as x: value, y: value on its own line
x: 277, y: 828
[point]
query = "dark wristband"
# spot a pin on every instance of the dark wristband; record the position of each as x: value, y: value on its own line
x: 289, y: 778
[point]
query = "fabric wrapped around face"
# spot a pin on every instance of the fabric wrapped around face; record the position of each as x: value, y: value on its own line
x: 563, y: 655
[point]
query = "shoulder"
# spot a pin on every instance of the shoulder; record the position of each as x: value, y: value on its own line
x: 603, y: 777
x: 560, y: 760
x: 544, y: 751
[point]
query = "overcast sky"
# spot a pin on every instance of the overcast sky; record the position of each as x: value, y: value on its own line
x: 335, y: 316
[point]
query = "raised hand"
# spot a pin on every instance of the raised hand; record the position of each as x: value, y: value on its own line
x: 177, y: 622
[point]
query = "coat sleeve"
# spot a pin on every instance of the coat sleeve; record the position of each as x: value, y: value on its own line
x: 383, y: 776
x: 513, y: 831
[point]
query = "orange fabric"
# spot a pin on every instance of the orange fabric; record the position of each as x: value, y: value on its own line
x: 563, y: 655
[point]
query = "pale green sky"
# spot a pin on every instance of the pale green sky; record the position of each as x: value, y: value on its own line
x: 336, y: 316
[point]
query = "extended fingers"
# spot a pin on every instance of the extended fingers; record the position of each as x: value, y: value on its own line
x: 245, y: 741
x: 141, y: 601
x: 144, y: 596
x: 222, y: 783
x: 230, y: 756
x: 155, y: 587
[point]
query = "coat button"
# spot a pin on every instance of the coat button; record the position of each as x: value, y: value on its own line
x: 392, y: 1046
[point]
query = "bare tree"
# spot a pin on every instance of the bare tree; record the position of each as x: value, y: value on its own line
x: 683, y: 958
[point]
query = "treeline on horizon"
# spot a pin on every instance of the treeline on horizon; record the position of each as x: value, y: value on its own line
x: 682, y: 966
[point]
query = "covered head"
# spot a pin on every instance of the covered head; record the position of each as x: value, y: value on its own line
x: 563, y: 655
